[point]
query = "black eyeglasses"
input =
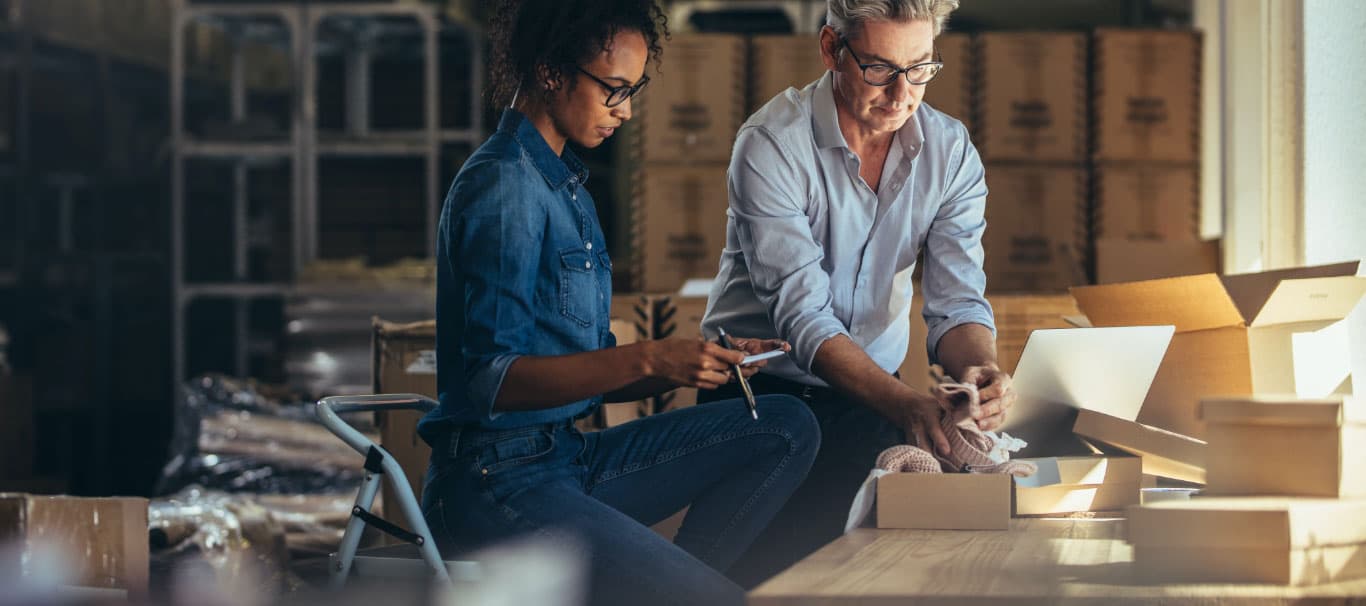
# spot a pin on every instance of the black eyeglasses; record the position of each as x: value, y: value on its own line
x: 882, y: 74
x: 616, y: 95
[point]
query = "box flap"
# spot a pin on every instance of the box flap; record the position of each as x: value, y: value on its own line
x: 1250, y: 292
x: 1189, y: 302
x: 1166, y: 454
x: 1310, y: 300
x: 1084, y: 471
x: 1249, y: 522
x: 1273, y: 410
x: 425, y: 329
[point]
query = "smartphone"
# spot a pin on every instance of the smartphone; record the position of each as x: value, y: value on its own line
x: 761, y: 357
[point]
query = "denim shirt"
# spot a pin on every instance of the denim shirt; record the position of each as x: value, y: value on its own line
x: 522, y: 270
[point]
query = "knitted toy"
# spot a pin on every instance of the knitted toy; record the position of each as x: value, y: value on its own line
x: 971, y: 449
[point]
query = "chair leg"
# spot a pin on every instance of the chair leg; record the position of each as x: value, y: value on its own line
x: 355, y: 527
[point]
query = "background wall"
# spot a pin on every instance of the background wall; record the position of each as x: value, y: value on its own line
x: 1335, y: 143
x: 1334, y: 130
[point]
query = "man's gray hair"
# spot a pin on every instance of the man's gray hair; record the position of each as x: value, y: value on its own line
x: 845, y: 16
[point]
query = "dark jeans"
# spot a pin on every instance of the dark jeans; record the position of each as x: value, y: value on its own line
x: 852, y: 436
x: 601, y: 490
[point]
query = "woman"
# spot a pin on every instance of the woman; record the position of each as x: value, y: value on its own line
x: 523, y: 347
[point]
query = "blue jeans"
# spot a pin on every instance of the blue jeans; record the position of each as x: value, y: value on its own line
x: 602, y: 490
x: 852, y: 437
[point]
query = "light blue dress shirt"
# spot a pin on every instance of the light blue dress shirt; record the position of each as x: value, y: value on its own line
x: 812, y: 252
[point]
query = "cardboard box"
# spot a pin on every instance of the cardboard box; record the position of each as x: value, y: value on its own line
x: 1263, y: 333
x: 1036, y: 228
x: 944, y: 501
x: 1267, y: 445
x: 779, y: 62
x: 951, y: 91
x: 1146, y: 89
x: 1135, y: 260
x: 695, y: 103
x: 679, y: 225
x: 678, y: 317
x: 16, y: 428
x: 1281, y: 540
x: 1079, y: 483
x: 101, y: 542
x: 1032, y: 102
x: 1164, y: 453
x: 1147, y: 202
x: 1016, y: 317
x: 404, y: 362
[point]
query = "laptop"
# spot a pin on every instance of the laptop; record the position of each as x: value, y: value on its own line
x: 1107, y: 370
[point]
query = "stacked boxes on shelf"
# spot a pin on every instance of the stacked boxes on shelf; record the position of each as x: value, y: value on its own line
x: 1031, y: 131
x: 779, y: 62
x: 951, y: 90
x: 1146, y: 145
x: 681, y: 142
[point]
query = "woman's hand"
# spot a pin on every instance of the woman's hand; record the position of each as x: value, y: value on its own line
x: 690, y: 363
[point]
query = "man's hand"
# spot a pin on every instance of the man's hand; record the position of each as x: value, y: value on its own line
x: 997, y: 395
x: 923, y: 412
x: 756, y: 346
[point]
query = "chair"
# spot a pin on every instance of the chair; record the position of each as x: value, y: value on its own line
x: 380, y: 464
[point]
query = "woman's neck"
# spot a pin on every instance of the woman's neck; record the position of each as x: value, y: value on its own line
x: 536, y: 113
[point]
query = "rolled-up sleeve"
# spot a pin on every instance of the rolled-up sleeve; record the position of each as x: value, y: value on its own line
x: 953, y: 282
x: 767, y: 204
x: 495, y: 245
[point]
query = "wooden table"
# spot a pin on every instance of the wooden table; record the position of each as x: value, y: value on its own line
x: 1038, y: 561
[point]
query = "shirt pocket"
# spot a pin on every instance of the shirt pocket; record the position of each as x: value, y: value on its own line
x: 578, y: 286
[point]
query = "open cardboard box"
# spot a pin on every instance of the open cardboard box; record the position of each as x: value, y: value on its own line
x: 1282, y: 540
x: 1270, y: 332
x: 1269, y: 445
x: 1060, y: 371
x: 1079, y: 483
x: 1164, y: 453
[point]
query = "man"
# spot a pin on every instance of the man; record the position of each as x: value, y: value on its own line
x: 834, y: 192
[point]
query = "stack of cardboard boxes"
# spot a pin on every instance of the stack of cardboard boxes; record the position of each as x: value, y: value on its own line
x: 686, y: 123
x: 1146, y: 146
x: 1285, y: 498
x: 1032, y: 135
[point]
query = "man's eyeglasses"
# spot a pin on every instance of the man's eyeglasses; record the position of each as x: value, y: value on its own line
x: 882, y: 74
x: 616, y: 95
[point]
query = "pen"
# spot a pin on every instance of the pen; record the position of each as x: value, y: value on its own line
x: 739, y: 376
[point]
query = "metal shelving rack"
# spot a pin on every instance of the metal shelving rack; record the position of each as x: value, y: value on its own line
x: 306, y: 143
x: 16, y: 61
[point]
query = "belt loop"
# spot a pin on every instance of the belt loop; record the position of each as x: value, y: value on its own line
x: 455, y: 441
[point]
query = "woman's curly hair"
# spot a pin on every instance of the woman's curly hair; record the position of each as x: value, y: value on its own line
x: 559, y: 35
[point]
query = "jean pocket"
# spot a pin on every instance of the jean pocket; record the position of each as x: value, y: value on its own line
x: 516, y: 451
x: 578, y: 286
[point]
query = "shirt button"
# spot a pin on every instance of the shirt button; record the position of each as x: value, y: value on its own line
x: 588, y: 245
x: 588, y: 265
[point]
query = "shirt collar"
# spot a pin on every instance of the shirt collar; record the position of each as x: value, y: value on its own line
x: 556, y: 170
x: 825, y: 121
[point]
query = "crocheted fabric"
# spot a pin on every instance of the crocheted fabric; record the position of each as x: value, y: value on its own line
x: 971, y: 449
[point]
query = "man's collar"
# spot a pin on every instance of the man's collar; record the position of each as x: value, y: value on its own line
x: 555, y: 169
x: 826, y: 127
